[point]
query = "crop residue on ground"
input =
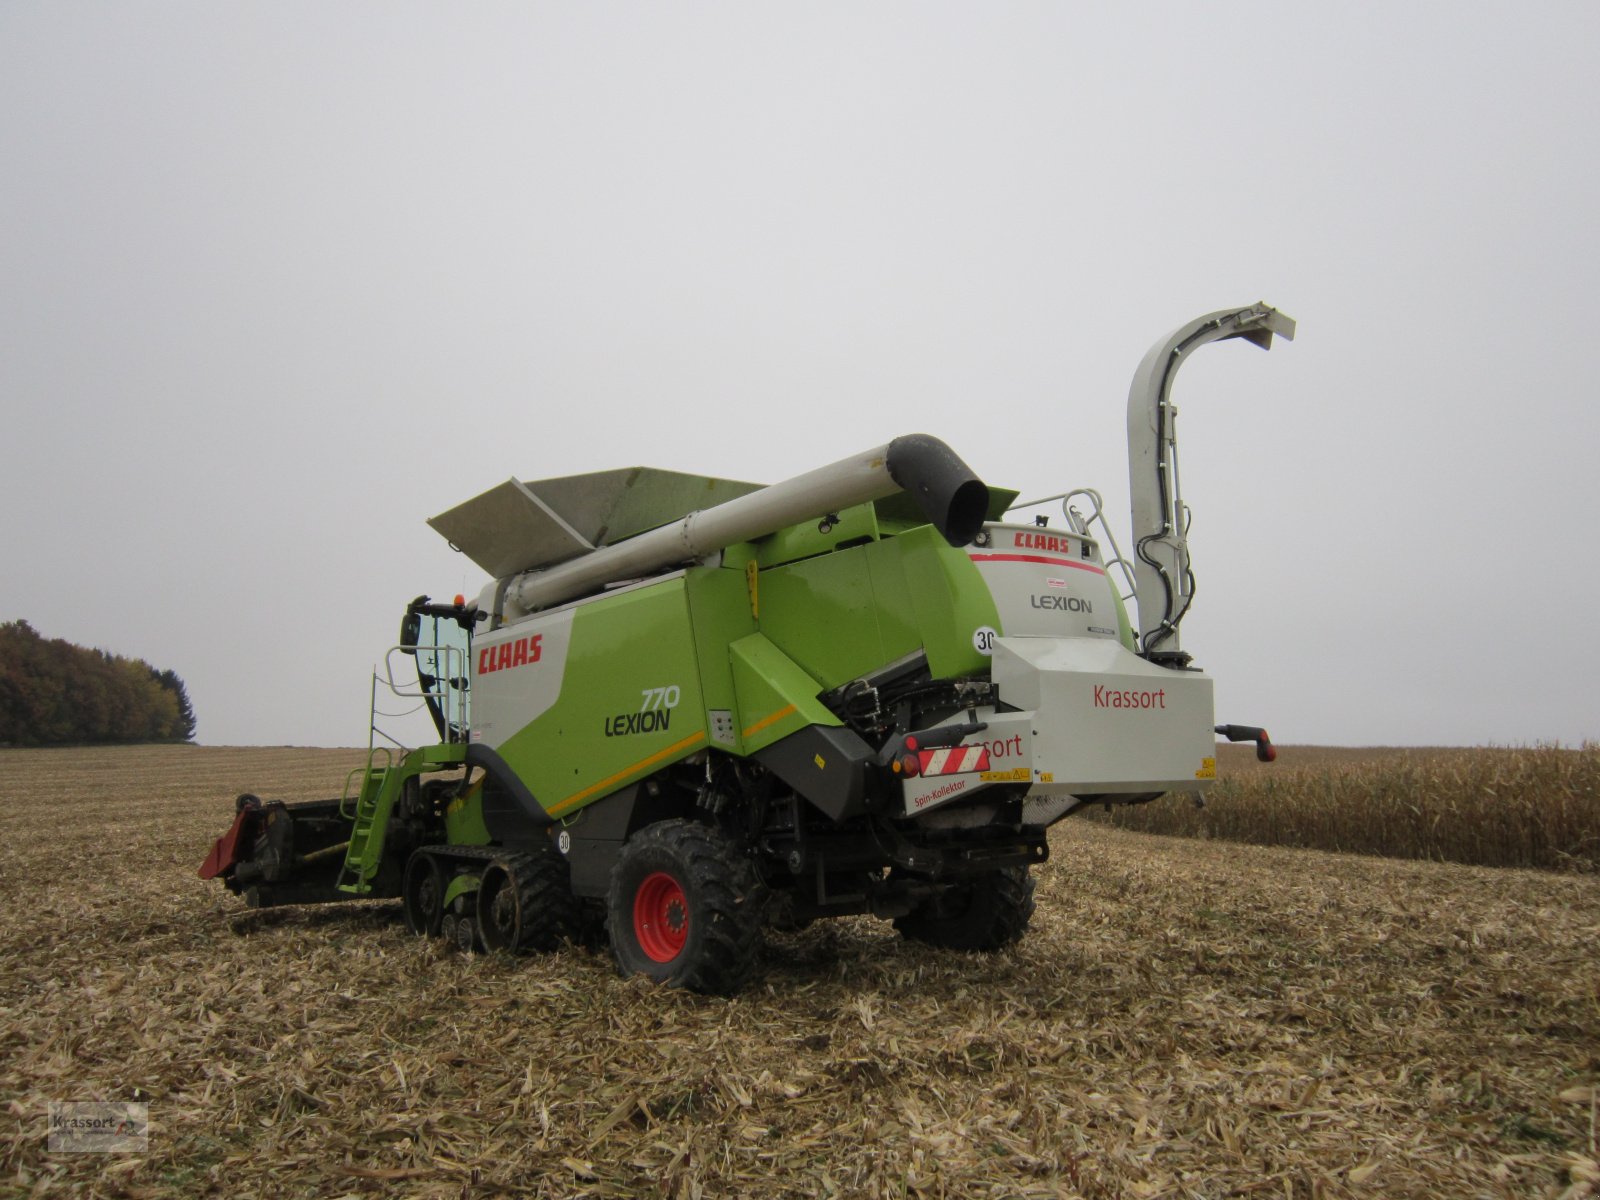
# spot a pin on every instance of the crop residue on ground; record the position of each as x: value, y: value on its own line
x: 1186, y: 1018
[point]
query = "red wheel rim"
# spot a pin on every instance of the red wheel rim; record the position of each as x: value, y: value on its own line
x: 661, y: 917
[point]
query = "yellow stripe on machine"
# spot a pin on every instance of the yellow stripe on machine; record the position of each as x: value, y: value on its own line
x: 642, y: 764
x: 772, y: 719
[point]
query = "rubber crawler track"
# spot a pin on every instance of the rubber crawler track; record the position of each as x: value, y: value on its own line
x: 549, y: 911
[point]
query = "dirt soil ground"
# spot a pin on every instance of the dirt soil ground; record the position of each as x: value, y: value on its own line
x: 1184, y: 1019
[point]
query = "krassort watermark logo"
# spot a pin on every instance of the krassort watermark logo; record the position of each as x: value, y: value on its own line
x: 97, y: 1127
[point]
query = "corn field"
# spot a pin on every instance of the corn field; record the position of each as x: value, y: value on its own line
x: 1499, y: 807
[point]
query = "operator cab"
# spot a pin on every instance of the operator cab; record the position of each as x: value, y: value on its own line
x: 439, y: 637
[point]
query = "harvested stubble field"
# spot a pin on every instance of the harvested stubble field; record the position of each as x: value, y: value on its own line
x: 1186, y: 1018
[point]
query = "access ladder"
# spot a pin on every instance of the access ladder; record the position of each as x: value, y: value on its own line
x: 381, y: 786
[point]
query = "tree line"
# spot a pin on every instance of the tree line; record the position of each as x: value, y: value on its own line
x: 54, y: 693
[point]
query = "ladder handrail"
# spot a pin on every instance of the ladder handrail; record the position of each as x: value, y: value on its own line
x: 1098, y: 516
x: 372, y: 753
x: 1085, y: 525
x: 453, y: 701
x: 354, y: 872
x: 378, y: 774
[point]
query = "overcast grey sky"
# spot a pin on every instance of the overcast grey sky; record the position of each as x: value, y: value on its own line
x: 280, y: 281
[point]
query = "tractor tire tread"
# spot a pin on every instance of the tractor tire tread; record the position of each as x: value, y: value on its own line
x: 1000, y: 905
x: 730, y: 896
x: 549, y: 910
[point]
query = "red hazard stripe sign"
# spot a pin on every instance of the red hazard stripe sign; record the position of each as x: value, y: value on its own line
x: 955, y: 761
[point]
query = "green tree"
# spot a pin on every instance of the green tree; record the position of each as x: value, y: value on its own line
x: 55, y: 693
x: 183, y: 731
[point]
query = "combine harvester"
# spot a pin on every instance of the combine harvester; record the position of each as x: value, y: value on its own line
x: 688, y: 707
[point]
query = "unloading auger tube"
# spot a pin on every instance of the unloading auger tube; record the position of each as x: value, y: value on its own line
x: 952, y: 498
x: 1163, y: 580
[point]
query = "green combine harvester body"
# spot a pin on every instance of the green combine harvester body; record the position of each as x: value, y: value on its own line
x: 689, y: 708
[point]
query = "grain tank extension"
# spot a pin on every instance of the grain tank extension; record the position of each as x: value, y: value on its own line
x: 685, y: 708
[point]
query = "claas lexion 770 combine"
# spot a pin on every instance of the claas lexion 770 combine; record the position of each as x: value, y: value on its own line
x: 686, y: 708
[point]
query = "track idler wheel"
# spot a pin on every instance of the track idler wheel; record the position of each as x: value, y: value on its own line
x: 423, y: 895
x: 458, y: 929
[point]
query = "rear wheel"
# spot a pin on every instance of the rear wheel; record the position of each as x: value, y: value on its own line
x: 525, y: 902
x: 988, y: 912
x: 685, y: 908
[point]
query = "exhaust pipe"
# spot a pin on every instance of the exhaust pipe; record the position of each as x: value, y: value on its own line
x: 954, y: 500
